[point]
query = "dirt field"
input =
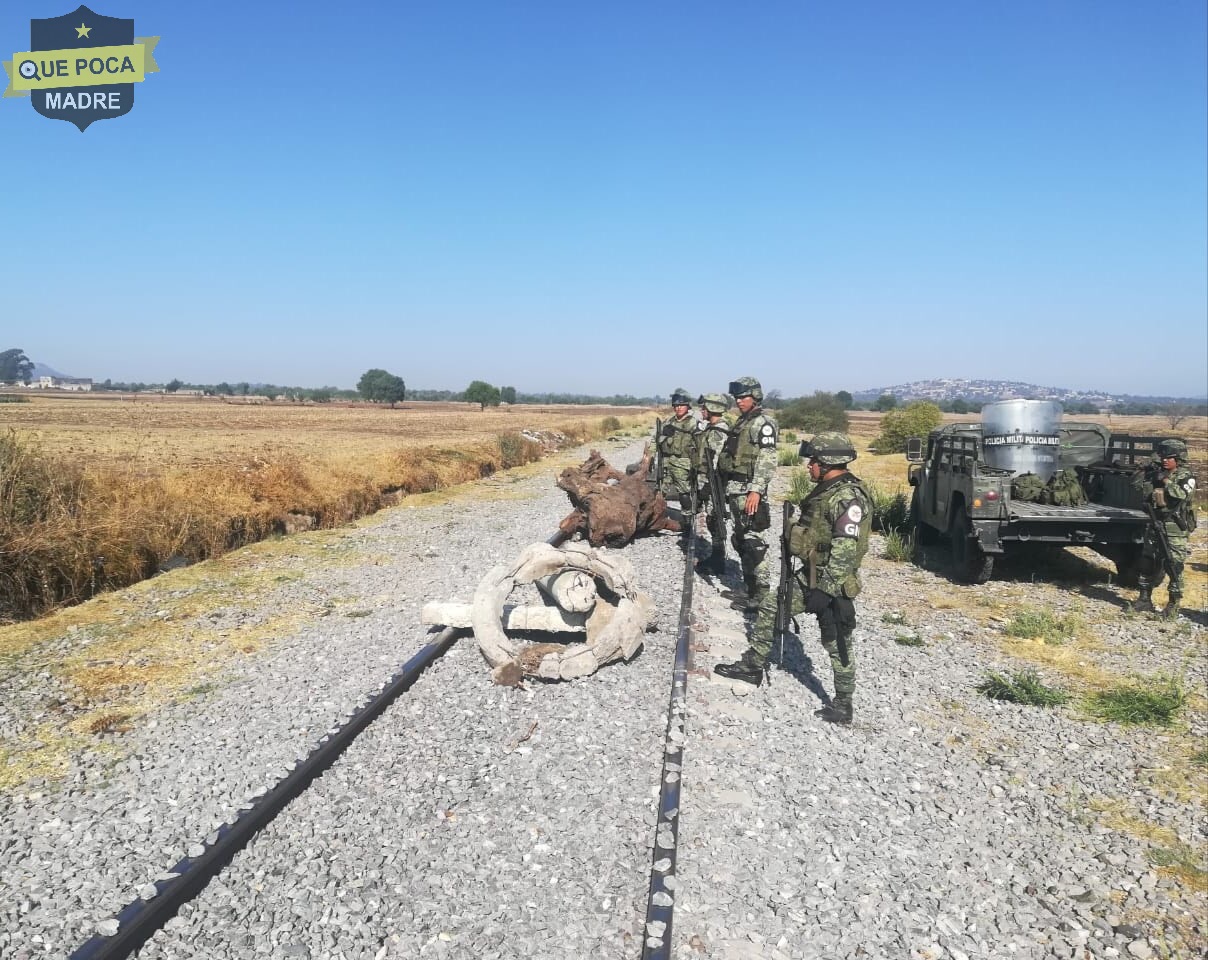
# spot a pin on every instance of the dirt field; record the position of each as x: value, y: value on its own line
x: 168, y: 432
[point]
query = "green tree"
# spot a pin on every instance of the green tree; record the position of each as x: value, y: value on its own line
x: 822, y: 411
x: 914, y: 420
x: 483, y: 394
x: 224, y: 389
x: 15, y: 365
x: 886, y: 401
x: 173, y: 385
x: 507, y: 394
x: 380, y: 386
x: 959, y: 405
x: 845, y: 399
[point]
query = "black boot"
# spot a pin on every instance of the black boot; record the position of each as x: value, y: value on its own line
x: 839, y: 710
x: 748, y: 668
x: 1172, y: 608
x: 1144, y: 602
x: 714, y: 566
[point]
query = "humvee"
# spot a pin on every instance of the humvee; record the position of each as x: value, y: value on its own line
x: 959, y: 498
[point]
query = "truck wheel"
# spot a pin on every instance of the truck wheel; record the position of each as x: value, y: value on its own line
x: 969, y: 563
x: 924, y: 533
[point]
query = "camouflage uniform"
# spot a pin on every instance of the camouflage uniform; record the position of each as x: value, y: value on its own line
x: 710, y: 438
x: 747, y: 463
x: 831, y: 537
x: 1171, y: 494
x: 677, y: 444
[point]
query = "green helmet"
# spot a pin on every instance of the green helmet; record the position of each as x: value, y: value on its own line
x: 714, y: 402
x: 680, y: 395
x: 1172, y: 448
x: 746, y: 387
x: 831, y: 449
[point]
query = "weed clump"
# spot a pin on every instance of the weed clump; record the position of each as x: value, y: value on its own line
x: 800, y: 485
x: 899, y: 547
x: 787, y: 457
x: 890, y: 510
x: 610, y: 425
x: 1042, y: 625
x: 1023, y: 687
x: 909, y: 640
x: 1155, y: 701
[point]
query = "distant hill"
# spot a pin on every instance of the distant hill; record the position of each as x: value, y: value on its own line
x: 42, y: 370
x: 987, y: 391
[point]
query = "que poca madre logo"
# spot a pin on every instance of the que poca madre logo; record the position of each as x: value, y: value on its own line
x: 81, y: 67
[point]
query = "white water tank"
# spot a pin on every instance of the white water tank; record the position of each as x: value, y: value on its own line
x: 1023, y: 436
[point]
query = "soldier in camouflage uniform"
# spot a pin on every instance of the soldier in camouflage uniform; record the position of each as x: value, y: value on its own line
x: 710, y: 439
x: 1169, y: 486
x: 747, y: 463
x: 677, y: 444
x: 831, y: 538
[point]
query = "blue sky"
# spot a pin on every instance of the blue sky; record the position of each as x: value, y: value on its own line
x: 625, y: 197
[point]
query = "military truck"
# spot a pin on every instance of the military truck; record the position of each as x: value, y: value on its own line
x: 962, y: 476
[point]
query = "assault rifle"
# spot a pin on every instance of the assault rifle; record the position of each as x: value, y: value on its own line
x: 658, y: 454
x: 1159, y: 529
x: 717, y: 497
x: 784, y: 590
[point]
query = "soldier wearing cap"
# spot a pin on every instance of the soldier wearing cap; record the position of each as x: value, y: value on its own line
x: 747, y: 463
x: 1168, y: 484
x: 710, y: 439
x: 677, y: 444
x: 830, y: 537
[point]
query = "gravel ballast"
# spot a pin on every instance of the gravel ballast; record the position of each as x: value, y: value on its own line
x: 473, y: 820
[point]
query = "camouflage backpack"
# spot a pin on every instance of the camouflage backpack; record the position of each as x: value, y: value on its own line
x: 1064, y: 490
x: 1027, y: 487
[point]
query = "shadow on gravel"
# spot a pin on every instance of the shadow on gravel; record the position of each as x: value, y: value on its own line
x: 1094, y: 592
x: 794, y: 661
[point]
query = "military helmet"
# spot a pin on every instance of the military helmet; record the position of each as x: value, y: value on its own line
x: 831, y: 449
x: 746, y: 387
x: 1172, y: 448
x: 680, y: 395
x: 714, y: 402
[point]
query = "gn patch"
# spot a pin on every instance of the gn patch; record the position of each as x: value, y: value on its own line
x: 767, y: 435
x: 847, y: 524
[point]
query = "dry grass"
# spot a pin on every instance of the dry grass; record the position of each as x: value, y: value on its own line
x: 97, y: 493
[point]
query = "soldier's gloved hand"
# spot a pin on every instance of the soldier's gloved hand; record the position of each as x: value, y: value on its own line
x: 817, y: 601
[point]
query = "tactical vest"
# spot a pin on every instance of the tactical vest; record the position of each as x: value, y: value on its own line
x: 811, y: 538
x: 740, y: 454
x: 678, y: 438
x: 709, y: 436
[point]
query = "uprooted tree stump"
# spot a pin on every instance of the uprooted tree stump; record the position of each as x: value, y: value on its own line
x: 612, y: 507
x: 614, y: 627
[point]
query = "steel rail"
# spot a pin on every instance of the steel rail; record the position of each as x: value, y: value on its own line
x: 660, y: 903
x: 138, y: 921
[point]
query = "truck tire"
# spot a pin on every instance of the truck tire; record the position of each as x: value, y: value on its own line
x: 925, y: 534
x: 969, y: 563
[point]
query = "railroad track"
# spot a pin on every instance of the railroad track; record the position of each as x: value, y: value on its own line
x: 133, y: 926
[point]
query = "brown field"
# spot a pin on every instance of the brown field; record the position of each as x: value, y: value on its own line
x: 190, y: 431
x: 98, y: 492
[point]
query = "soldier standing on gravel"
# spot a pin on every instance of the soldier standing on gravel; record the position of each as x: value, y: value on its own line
x: 1171, y: 489
x: 710, y: 439
x: 747, y: 463
x: 677, y: 444
x: 831, y: 538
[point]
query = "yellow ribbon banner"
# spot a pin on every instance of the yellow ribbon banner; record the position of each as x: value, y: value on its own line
x: 80, y: 67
